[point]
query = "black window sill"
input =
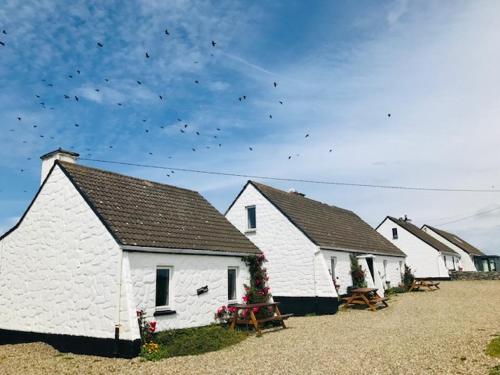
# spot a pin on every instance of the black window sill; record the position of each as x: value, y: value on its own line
x: 164, y: 312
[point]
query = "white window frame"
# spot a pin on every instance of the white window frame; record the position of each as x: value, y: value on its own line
x: 401, y: 267
x: 384, y: 262
x: 333, y: 266
x: 169, y: 290
x: 249, y: 229
x: 236, y: 269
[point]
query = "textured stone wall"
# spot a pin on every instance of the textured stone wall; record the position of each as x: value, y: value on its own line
x: 456, y: 275
x: 423, y: 259
x: 189, y: 272
x: 295, y: 267
x: 59, y: 269
x: 465, y: 261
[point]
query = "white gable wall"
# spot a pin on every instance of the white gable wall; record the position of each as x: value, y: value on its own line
x: 295, y: 267
x: 423, y: 259
x: 59, y: 269
x: 466, y: 261
x: 189, y: 272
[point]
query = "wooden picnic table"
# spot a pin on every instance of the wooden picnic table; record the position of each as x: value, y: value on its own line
x: 365, y: 296
x: 276, y: 315
x: 424, y: 283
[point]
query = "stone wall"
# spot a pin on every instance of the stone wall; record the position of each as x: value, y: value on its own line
x: 456, y: 275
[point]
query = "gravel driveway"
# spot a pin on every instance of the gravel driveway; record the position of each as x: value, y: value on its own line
x: 442, y: 332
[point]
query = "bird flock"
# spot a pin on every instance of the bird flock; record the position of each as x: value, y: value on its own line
x: 184, y: 127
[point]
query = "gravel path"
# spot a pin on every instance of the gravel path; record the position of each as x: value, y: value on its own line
x: 443, y: 332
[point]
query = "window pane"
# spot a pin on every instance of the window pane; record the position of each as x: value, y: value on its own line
x: 394, y: 233
x: 162, y: 286
x: 252, y: 224
x: 231, y: 284
x: 333, y: 261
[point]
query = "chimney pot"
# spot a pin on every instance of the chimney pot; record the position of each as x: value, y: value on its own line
x: 59, y: 154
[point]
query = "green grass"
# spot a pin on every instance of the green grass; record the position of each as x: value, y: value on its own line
x: 495, y: 370
x: 493, y: 348
x: 193, y: 341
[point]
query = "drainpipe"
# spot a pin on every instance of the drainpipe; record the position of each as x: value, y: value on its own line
x: 118, y: 306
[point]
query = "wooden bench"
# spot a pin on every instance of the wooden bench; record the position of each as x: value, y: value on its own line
x: 424, y: 283
x: 257, y: 323
x: 365, y: 296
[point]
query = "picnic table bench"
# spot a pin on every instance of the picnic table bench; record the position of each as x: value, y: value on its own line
x: 276, y: 315
x: 424, y: 283
x: 365, y: 296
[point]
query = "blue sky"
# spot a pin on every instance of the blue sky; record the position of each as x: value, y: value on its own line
x: 341, y: 67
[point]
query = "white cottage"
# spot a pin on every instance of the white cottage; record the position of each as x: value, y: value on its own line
x: 469, y: 255
x: 308, y: 246
x: 426, y: 256
x: 94, y: 246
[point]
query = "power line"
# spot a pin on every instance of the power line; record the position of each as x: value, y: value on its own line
x: 393, y: 187
x: 469, y: 216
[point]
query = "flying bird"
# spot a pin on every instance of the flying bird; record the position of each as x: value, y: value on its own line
x: 2, y: 44
x: 78, y: 71
x: 275, y: 84
x: 119, y: 104
x: 76, y: 98
x: 289, y: 157
x: 105, y: 79
x: 185, y: 126
x: 281, y: 102
x: 161, y: 97
x: 213, y: 43
x: 270, y: 116
x: 139, y: 82
x: 147, y: 55
x: 388, y: 115
x: 218, y: 129
x: 4, y: 32
x: 196, y: 81
x: 70, y: 76
x: 250, y: 148
x: 307, y: 136
x: 96, y: 90
x: 197, y: 133
x: 182, y: 131
x: 19, y: 118
x: 76, y: 125
x: 166, y: 32
x: 193, y: 149
x: 100, y: 44
x: 330, y: 150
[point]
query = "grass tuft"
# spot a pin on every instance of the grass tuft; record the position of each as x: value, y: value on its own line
x: 193, y: 341
x: 493, y: 348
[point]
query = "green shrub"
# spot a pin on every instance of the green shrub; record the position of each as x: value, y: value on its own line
x: 357, y: 274
x: 495, y: 370
x: 192, y: 341
x: 396, y: 290
x: 493, y: 348
x: 408, y: 277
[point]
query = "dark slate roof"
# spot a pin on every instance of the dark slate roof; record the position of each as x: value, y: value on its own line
x: 427, y: 238
x: 328, y: 226
x: 149, y: 214
x: 457, y: 241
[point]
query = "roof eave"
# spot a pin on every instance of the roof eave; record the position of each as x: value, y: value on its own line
x: 335, y: 248
x: 165, y: 250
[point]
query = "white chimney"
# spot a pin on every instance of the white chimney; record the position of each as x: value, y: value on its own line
x: 59, y: 154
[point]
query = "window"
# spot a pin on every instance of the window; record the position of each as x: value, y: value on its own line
x: 252, y: 219
x: 394, y: 233
x: 333, y: 264
x: 231, y: 284
x: 385, y: 269
x: 163, y: 275
x: 401, y: 267
x: 446, y: 264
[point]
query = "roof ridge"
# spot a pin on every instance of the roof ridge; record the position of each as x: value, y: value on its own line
x: 303, y: 197
x: 65, y: 164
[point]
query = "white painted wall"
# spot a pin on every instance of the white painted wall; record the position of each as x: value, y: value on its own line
x: 465, y: 261
x: 423, y: 259
x: 60, y: 268
x: 189, y: 272
x: 295, y: 267
x: 393, y: 272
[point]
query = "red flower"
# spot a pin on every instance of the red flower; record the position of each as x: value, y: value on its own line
x: 231, y: 309
x: 255, y: 310
x: 245, y: 299
x: 152, y: 326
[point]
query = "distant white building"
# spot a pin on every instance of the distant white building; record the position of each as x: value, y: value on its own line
x: 469, y: 255
x: 94, y: 246
x: 308, y: 245
x: 426, y: 256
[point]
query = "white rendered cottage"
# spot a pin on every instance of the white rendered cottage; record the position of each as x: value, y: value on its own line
x: 426, y: 256
x: 94, y: 246
x: 308, y: 245
x: 469, y: 255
